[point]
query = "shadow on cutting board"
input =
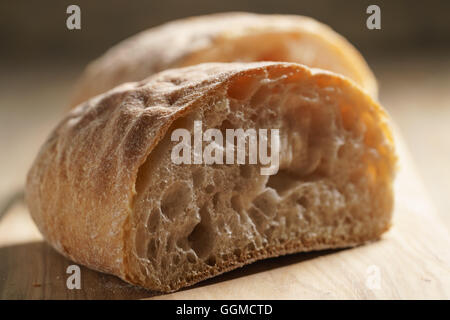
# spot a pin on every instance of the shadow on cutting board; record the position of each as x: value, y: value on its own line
x: 36, y: 271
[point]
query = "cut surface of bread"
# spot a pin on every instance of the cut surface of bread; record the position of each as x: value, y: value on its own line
x: 225, y: 37
x: 105, y: 192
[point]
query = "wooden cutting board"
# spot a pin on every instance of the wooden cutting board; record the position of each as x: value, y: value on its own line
x: 412, y: 261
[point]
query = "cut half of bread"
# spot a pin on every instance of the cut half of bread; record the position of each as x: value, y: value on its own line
x: 105, y: 191
x: 225, y: 37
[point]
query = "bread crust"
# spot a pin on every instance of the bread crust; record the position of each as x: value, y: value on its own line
x: 81, y: 187
x: 209, y: 38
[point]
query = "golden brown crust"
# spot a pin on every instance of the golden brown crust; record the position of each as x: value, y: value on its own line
x: 80, y: 188
x: 211, y: 38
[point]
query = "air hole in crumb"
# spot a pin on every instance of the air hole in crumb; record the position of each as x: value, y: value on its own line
x: 347, y: 220
x: 174, y: 97
x: 153, y: 220
x: 152, y: 249
x: 251, y: 247
x: 303, y: 201
x: 281, y: 181
x: 176, y: 199
x: 226, y: 124
x: 237, y: 252
x: 211, y: 261
x: 236, y: 203
x: 202, y: 237
x: 209, y: 188
x: 140, y: 237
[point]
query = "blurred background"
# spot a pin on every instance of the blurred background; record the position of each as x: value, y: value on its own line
x: 40, y: 59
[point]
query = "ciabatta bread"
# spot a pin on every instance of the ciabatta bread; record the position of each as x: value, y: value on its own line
x: 225, y: 37
x: 105, y: 192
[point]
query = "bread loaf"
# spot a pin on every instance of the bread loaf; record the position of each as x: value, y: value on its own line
x: 225, y: 37
x: 105, y: 192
